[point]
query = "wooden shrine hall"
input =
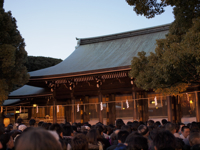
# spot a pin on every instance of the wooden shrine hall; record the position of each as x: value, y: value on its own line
x: 93, y: 84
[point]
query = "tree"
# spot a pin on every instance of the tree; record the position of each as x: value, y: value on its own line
x: 39, y: 62
x: 175, y: 65
x: 12, y: 55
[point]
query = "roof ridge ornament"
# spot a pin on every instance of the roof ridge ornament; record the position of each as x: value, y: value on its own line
x: 78, y: 43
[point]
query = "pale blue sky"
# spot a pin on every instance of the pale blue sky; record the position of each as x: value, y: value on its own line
x: 50, y: 27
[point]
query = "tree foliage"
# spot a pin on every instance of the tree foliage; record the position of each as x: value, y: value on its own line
x: 176, y: 63
x: 12, y: 55
x: 39, y: 62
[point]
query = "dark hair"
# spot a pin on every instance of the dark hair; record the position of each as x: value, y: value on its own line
x: 126, y: 128
x: 19, y: 121
x: 179, y: 143
x: 109, y: 130
x: 32, y: 122
x: 164, y: 121
x: 122, y: 135
x: 99, y: 128
x: 136, y: 142
x: 79, y: 142
x: 37, y: 139
x: 170, y: 126
x: 4, y: 138
x: 150, y: 122
x: 135, y: 125
x: 177, y: 127
x: 164, y: 139
x: 119, y: 123
x: 194, y: 138
x: 9, y: 128
x: 56, y: 127
x: 67, y: 130
x: 184, y: 127
x: 92, y: 136
x: 143, y: 129
x: 74, y: 128
x: 45, y: 126
x: 40, y: 123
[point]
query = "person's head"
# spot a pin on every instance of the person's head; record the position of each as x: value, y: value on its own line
x: 67, y: 130
x: 135, y: 125
x: 126, y: 128
x: 56, y: 127
x: 185, y: 131
x: 99, y: 129
x: 32, y: 122
x: 136, y: 142
x: 92, y: 136
x: 164, y: 121
x: 19, y: 121
x: 4, y: 139
x: 122, y: 135
x: 119, y: 123
x: 170, y: 127
x: 179, y: 144
x: 45, y: 126
x: 40, y: 123
x: 143, y: 130
x: 22, y: 127
x: 109, y: 130
x: 150, y: 123
x: 164, y: 140
x: 79, y: 142
x: 37, y: 139
x: 194, y: 138
x: 9, y: 128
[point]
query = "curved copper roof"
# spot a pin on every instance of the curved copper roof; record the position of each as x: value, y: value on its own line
x: 105, y: 52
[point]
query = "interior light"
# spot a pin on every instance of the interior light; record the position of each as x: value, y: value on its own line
x: 191, y: 101
x: 17, y: 111
x: 123, y: 108
x: 34, y: 105
x: 152, y: 102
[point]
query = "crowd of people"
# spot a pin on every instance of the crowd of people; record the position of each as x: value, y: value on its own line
x: 134, y: 135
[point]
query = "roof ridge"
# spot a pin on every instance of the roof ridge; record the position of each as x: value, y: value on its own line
x: 90, y: 40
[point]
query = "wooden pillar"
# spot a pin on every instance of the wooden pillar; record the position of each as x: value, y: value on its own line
x: 100, y: 111
x: 111, y: 113
x: 54, y: 111
x: 29, y: 113
x: 73, y: 110
x: 68, y: 110
x: 143, y: 107
x: 86, y: 116
x: 197, y: 106
x: 134, y: 96
x: 169, y: 108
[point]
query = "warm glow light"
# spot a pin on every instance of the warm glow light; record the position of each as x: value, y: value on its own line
x: 191, y: 101
x: 34, y: 105
x: 123, y: 108
x: 89, y: 113
x: 17, y: 112
x: 156, y: 107
x: 153, y: 102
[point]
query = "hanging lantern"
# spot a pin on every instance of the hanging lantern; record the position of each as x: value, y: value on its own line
x: 20, y: 109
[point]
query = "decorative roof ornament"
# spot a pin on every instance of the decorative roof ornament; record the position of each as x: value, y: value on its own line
x: 78, y: 43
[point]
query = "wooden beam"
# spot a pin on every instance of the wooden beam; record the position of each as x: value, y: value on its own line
x: 197, y: 106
